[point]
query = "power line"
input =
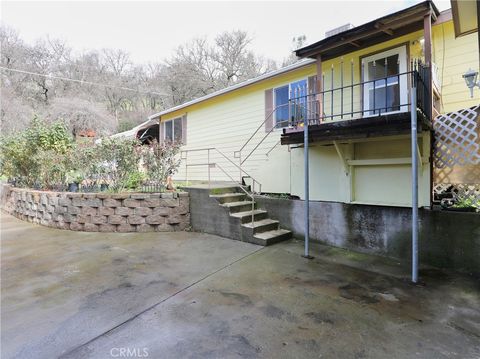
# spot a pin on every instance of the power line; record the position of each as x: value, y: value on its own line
x: 81, y: 81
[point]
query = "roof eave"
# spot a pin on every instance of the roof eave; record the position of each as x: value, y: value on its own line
x: 369, y: 29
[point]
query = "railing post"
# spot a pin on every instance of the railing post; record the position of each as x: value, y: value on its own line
x: 240, y: 165
x: 307, y: 192
x: 253, y: 204
x: 208, y: 165
x: 413, y: 108
x: 186, y: 168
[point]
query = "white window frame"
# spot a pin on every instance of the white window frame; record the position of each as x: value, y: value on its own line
x: 401, y: 51
x: 173, y: 128
x: 289, y: 92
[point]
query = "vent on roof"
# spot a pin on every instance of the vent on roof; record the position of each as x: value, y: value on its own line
x: 338, y: 30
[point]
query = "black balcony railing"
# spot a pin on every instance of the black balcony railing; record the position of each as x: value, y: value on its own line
x: 384, y: 95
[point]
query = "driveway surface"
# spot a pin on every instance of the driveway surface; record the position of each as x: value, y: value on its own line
x: 191, y: 295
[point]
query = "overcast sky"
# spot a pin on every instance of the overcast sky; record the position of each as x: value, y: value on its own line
x: 150, y: 31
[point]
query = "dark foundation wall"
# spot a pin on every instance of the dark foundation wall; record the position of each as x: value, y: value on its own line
x: 446, y: 240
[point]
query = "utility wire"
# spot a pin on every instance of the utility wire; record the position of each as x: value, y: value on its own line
x: 81, y: 81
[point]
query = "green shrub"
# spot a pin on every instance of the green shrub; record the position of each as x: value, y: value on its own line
x: 32, y: 157
x: 161, y: 161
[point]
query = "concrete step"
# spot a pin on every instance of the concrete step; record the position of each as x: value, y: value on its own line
x: 246, y: 217
x: 229, y: 197
x: 271, y: 237
x: 241, y: 206
x: 263, y: 225
x: 224, y: 190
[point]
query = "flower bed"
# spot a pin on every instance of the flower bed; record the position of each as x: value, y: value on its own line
x: 98, y: 212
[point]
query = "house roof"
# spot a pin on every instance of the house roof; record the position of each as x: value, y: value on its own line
x: 374, y: 32
x: 133, y: 132
x: 255, y: 80
x: 466, y: 15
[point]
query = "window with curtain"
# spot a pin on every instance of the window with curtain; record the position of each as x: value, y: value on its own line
x: 173, y: 130
x: 286, y: 110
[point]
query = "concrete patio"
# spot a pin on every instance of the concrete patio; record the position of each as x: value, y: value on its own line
x: 192, y: 295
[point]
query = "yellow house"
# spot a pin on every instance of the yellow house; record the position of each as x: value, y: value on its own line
x: 354, y: 88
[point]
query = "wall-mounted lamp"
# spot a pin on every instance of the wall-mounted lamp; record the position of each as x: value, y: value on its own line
x: 471, y: 80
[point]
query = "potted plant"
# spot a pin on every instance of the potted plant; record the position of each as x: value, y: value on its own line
x: 464, y: 204
x: 73, y: 179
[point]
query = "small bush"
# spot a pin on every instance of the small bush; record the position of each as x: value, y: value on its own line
x: 45, y: 156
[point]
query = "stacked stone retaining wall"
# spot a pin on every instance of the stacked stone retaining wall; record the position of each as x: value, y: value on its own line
x: 99, y: 212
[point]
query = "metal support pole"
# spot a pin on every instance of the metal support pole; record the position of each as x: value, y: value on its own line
x: 413, y: 109
x: 208, y: 165
x: 307, y: 192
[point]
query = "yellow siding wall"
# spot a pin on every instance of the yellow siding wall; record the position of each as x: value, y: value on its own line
x: 454, y: 56
x: 227, y: 121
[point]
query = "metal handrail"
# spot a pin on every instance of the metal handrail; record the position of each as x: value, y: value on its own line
x: 208, y: 149
x: 261, y: 125
x: 216, y: 165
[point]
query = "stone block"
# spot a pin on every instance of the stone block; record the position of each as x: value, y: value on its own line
x: 183, y: 194
x: 107, y: 228
x: 53, y: 200
x: 132, y: 203
x: 168, y: 202
x: 123, y: 211
x: 182, y: 226
x: 165, y: 228
x: 62, y: 225
x: 139, y: 196
x: 155, y: 219
x: 74, y: 210
x: 110, y: 202
x: 64, y: 201
x: 116, y: 219
x: 174, y: 219
x: 151, y: 202
x: 78, y: 201
x: 125, y: 228
x: 182, y: 209
x: 47, y: 216
x: 61, y: 209
x: 120, y: 195
x: 103, y: 195
x: 99, y: 219
x: 162, y: 211
x: 83, y: 218
x: 143, y: 228
x: 90, y: 227
x: 167, y: 195
x: 142, y: 211
x: 89, y: 211
x: 135, y: 219
x: 106, y: 211
x: 73, y: 195
x: 89, y: 195
x: 75, y: 226
x: 93, y: 202
x: 67, y: 217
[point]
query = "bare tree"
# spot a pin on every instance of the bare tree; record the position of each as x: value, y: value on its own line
x: 197, y: 68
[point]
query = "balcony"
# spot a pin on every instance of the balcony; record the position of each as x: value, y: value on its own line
x: 380, y: 106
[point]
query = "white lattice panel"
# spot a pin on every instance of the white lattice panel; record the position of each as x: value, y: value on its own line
x: 456, y: 154
x: 457, y: 138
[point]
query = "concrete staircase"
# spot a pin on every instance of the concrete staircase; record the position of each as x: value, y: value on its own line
x: 263, y: 231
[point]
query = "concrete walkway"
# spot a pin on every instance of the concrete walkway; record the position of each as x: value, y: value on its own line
x: 181, y: 295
